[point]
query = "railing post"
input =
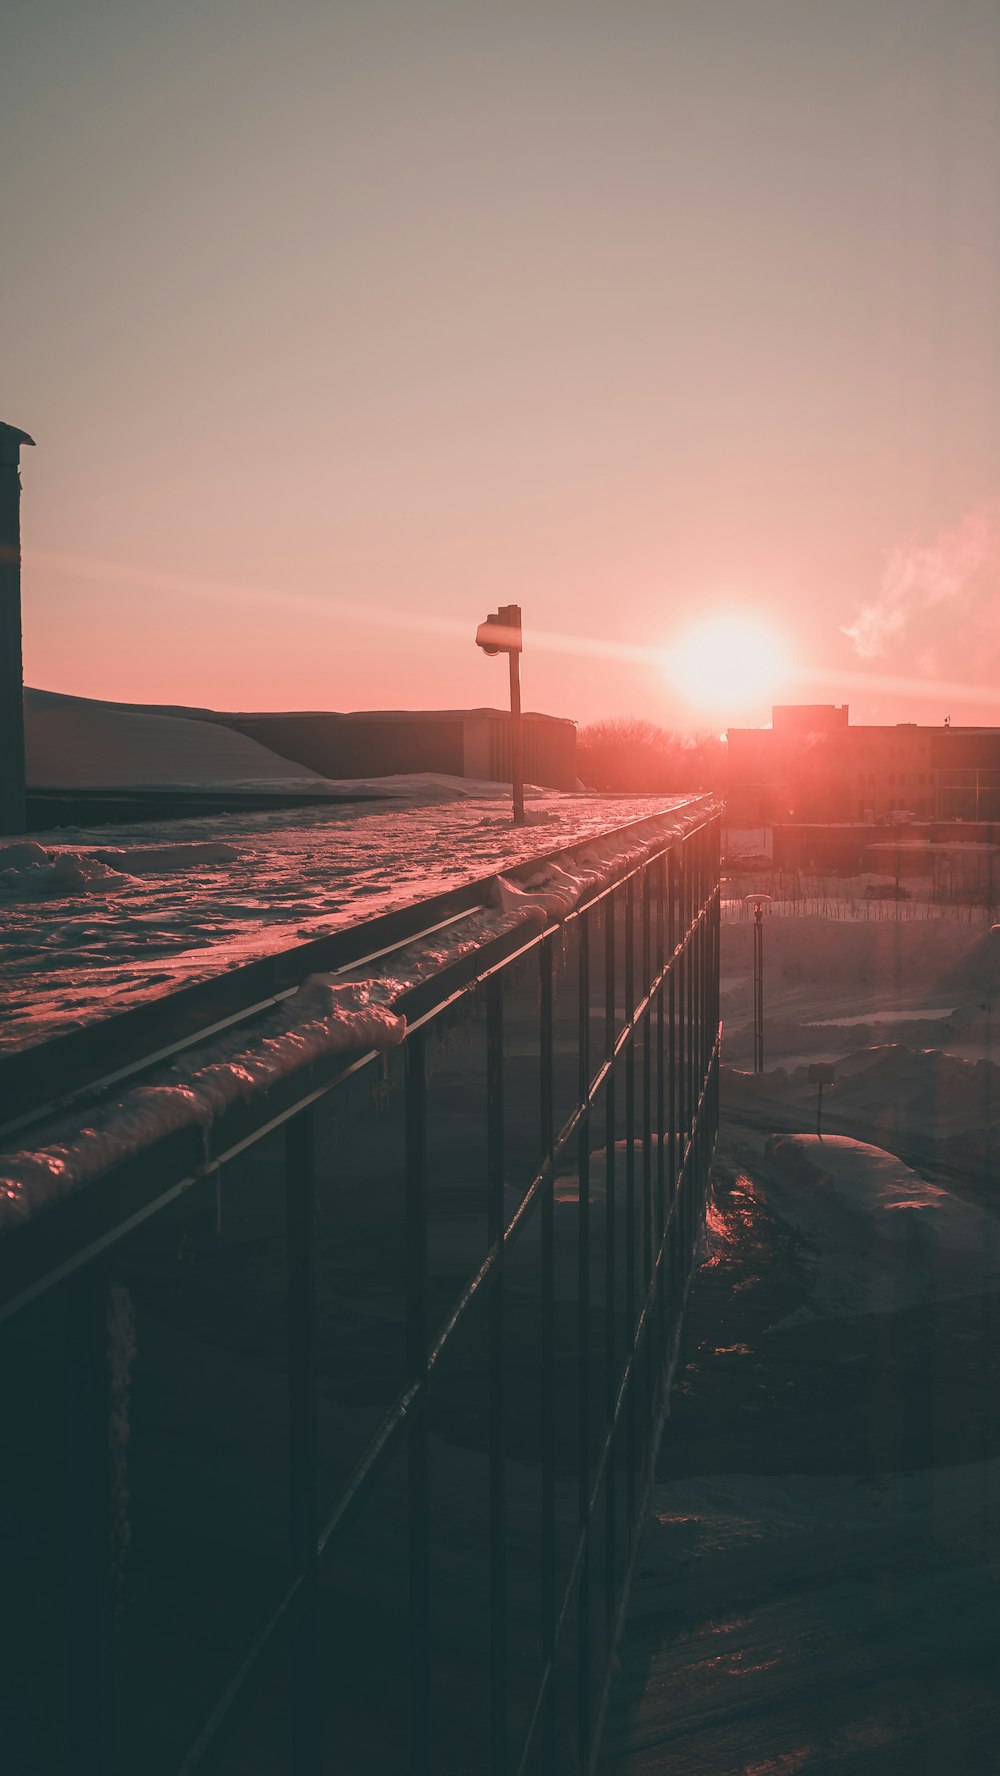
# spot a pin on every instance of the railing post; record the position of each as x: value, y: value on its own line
x: 416, y: 1352
x: 495, y: 1234
x: 548, y: 1574
x: 647, y: 1137
x: 630, y: 1278
x: 88, y: 1495
x: 583, y: 1361
x: 300, y: 1198
x: 610, y: 1250
x: 661, y: 1130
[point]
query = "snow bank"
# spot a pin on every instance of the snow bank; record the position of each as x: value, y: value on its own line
x: 434, y: 786
x: 74, y: 743
x: 979, y: 970
x: 29, y: 870
x: 881, y: 1237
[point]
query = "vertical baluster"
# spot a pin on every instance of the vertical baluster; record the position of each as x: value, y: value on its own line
x: 630, y: 1277
x: 661, y: 1131
x: 416, y: 1348
x: 89, y: 1511
x: 496, y: 1221
x: 583, y: 1343
x: 547, y: 1355
x: 300, y: 1205
x: 610, y: 1301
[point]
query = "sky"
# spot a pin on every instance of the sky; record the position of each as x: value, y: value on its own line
x: 673, y: 321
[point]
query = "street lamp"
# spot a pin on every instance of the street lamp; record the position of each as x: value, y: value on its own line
x: 501, y: 634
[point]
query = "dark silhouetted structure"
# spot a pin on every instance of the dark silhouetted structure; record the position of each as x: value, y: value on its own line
x: 383, y: 743
x: 11, y: 693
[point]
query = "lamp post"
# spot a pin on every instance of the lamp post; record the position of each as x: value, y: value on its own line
x: 758, y: 978
x: 820, y: 1074
x: 501, y: 634
x: 12, y: 810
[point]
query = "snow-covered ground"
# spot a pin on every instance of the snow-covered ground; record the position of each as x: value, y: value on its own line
x: 816, y: 1587
x: 905, y: 1011
x: 93, y: 920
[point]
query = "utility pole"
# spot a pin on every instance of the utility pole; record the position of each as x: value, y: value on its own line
x: 12, y: 810
x: 501, y: 634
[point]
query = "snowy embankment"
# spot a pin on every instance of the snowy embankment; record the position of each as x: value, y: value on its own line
x: 74, y: 743
x: 880, y: 1236
x: 328, y: 1014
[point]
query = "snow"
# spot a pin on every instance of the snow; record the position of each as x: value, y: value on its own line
x: 881, y: 1237
x: 95, y: 919
x: 903, y: 1012
x: 327, y: 1015
x: 914, y: 1015
x: 77, y: 743
x: 73, y: 743
x: 979, y: 969
x: 816, y: 1585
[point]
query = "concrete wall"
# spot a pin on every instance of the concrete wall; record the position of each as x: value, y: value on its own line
x: 549, y: 749
x: 345, y: 746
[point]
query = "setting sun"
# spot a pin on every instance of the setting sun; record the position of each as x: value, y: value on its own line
x: 728, y: 663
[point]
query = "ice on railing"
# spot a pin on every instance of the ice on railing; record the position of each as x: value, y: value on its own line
x: 328, y: 1014
x: 557, y: 887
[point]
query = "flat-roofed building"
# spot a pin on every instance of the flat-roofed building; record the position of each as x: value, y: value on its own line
x: 812, y: 767
x: 472, y: 743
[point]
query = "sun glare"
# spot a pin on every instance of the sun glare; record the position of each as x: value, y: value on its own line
x: 730, y: 664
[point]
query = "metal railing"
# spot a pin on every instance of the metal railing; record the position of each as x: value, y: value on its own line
x: 328, y: 1443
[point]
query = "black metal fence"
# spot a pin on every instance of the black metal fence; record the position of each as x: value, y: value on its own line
x: 329, y: 1451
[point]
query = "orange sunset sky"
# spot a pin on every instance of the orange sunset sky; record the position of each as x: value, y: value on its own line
x: 338, y: 325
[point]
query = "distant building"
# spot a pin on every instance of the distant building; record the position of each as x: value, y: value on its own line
x: 383, y: 743
x: 812, y: 767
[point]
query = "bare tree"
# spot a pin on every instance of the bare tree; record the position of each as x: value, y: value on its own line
x: 632, y: 754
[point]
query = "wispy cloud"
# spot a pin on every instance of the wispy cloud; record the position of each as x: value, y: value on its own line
x: 938, y: 607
